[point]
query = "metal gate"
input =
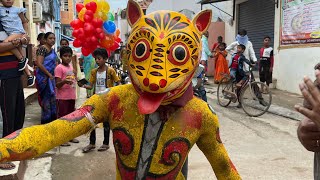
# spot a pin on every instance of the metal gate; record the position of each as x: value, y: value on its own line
x: 257, y: 17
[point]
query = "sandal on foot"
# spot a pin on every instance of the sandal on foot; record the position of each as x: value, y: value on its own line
x: 7, y: 166
x: 74, y: 141
x: 104, y: 147
x: 88, y: 148
x: 65, y: 145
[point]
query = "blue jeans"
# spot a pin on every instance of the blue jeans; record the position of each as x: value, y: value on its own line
x: 237, y: 75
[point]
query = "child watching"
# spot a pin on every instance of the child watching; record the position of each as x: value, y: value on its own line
x: 266, y: 62
x: 15, y: 25
x: 101, y: 79
x: 221, y: 65
x: 236, y: 71
x: 65, y: 83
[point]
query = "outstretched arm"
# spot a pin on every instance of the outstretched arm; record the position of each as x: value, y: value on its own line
x: 36, y: 140
x: 231, y: 47
x: 211, y: 145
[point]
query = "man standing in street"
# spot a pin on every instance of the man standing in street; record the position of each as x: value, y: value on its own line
x: 11, y: 90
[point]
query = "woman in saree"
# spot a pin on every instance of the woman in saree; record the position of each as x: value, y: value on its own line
x: 88, y: 64
x: 221, y: 64
x: 46, y: 63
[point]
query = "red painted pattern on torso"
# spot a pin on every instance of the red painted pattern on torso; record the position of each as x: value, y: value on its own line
x: 115, y: 108
x: 192, y: 119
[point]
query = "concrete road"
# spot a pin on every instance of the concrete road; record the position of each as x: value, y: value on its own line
x: 261, y: 148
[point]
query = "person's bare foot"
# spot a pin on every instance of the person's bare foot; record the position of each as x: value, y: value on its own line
x: 7, y: 166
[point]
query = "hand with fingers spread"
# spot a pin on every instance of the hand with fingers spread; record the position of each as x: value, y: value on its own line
x: 311, y: 95
x: 309, y: 135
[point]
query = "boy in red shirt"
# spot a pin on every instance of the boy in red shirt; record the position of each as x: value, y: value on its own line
x: 236, y: 70
x: 266, y: 62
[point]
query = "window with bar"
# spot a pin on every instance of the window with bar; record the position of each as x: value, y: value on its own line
x: 64, y: 5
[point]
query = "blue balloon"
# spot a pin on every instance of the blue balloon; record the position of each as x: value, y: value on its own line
x: 109, y: 27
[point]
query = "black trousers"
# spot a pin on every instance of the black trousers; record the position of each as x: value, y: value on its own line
x: 12, y: 105
x: 264, y: 72
x: 106, y: 134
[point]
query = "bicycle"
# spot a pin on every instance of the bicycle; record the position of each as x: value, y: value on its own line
x: 254, y: 97
x: 123, y: 75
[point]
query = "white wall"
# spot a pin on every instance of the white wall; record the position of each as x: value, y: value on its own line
x: 230, y: 29
x: 176, y: 5
x: 291, y: 65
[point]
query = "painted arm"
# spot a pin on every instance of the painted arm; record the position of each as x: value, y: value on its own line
x: 212, y: 147
x: 36, y: 140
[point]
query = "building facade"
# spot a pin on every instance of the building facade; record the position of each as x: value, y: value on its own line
x: 68, y: 14
x: 50, y: 21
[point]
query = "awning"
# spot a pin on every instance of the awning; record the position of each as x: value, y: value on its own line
x: 221, y: 6
x: 190, y: 14
x: 210, y: 1
x: 67, y: 37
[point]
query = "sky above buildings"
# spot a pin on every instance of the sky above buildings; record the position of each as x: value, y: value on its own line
x: 116, y: 4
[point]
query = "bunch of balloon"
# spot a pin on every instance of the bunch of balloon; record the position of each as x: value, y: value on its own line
x: 89, y: 29
x: 112, y: 39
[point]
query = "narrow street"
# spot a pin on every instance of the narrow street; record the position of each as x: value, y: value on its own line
x: 261, y: 148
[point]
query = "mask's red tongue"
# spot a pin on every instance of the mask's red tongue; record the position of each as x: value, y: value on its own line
x: 148, y: 103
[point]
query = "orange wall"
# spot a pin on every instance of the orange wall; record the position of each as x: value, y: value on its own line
x: 216, y: 29
x: 67, y: 16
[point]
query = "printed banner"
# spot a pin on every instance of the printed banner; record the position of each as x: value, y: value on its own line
x: 300, y: 22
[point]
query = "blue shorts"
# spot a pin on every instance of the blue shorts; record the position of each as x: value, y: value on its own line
x: 237, y: 75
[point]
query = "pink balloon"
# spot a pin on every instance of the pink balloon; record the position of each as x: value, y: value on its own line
x: 75, y: 33
x: 81, y: 34
x: 88, y: 29
x: 97, y: 23
x: 79, y: 7
x: 87, y: 18
x: 85, y: 51
x: 114, y: 47
x: 77, y: 43
x: 89, y: 13
x: 91, y: 6
x: 76, y: 24
x: 101, y: 35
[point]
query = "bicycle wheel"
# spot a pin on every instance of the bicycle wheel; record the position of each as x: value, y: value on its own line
x: 256, y: 99
x: 224, y: 85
